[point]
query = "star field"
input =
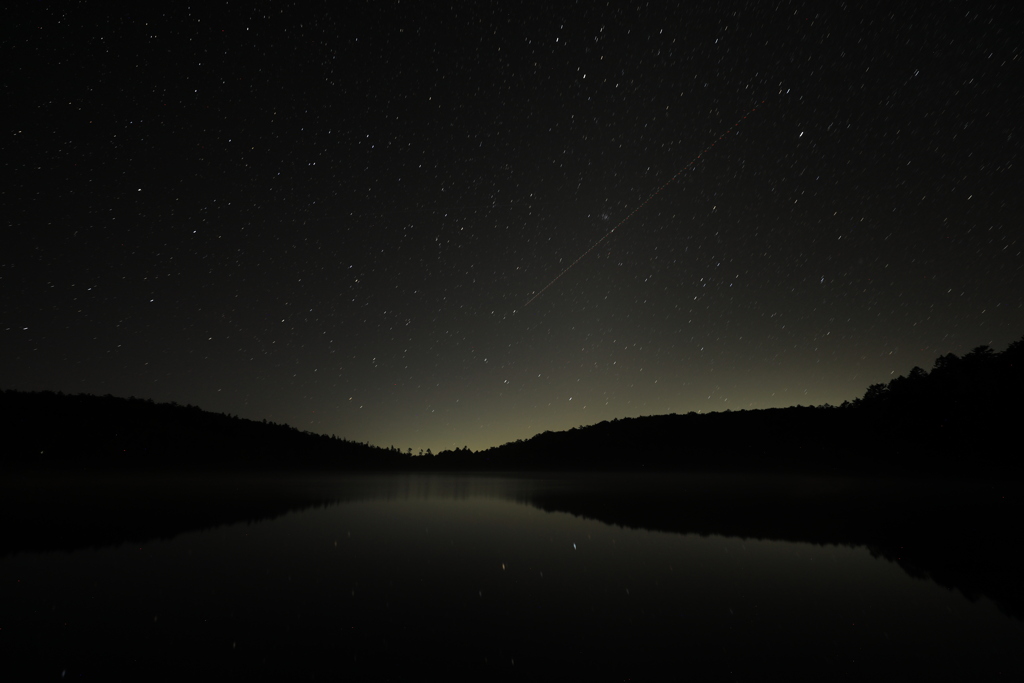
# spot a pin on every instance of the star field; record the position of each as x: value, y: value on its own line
x: 336, y: 218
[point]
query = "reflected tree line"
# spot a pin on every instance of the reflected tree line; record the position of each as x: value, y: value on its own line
x: 954, y: 419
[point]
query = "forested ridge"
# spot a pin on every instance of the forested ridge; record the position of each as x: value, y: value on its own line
x: 47, y: 429
x: 956, y: 418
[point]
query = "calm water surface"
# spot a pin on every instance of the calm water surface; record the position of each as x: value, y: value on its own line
x: 399, y: 577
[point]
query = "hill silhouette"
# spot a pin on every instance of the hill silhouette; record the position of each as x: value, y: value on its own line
x: 47, y: 430
x: 958, y: 419
x: 955, y: 420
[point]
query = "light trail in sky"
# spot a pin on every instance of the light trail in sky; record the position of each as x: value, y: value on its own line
x: 645, y: 202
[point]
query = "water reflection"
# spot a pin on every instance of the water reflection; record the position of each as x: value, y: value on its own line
x: 378, y: 577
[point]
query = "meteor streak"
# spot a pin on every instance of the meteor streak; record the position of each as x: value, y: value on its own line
x: 645, y: 202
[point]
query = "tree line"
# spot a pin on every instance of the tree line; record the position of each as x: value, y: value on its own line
x: 961, y: 417
x: 957, y: 418
x: 47, y: 429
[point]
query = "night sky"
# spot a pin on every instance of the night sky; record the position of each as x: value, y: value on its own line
x: 339, y: 215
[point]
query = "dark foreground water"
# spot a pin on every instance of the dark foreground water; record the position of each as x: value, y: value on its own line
x: 404, y: 577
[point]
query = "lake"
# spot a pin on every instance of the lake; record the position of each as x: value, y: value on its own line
x: 613, y: 577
